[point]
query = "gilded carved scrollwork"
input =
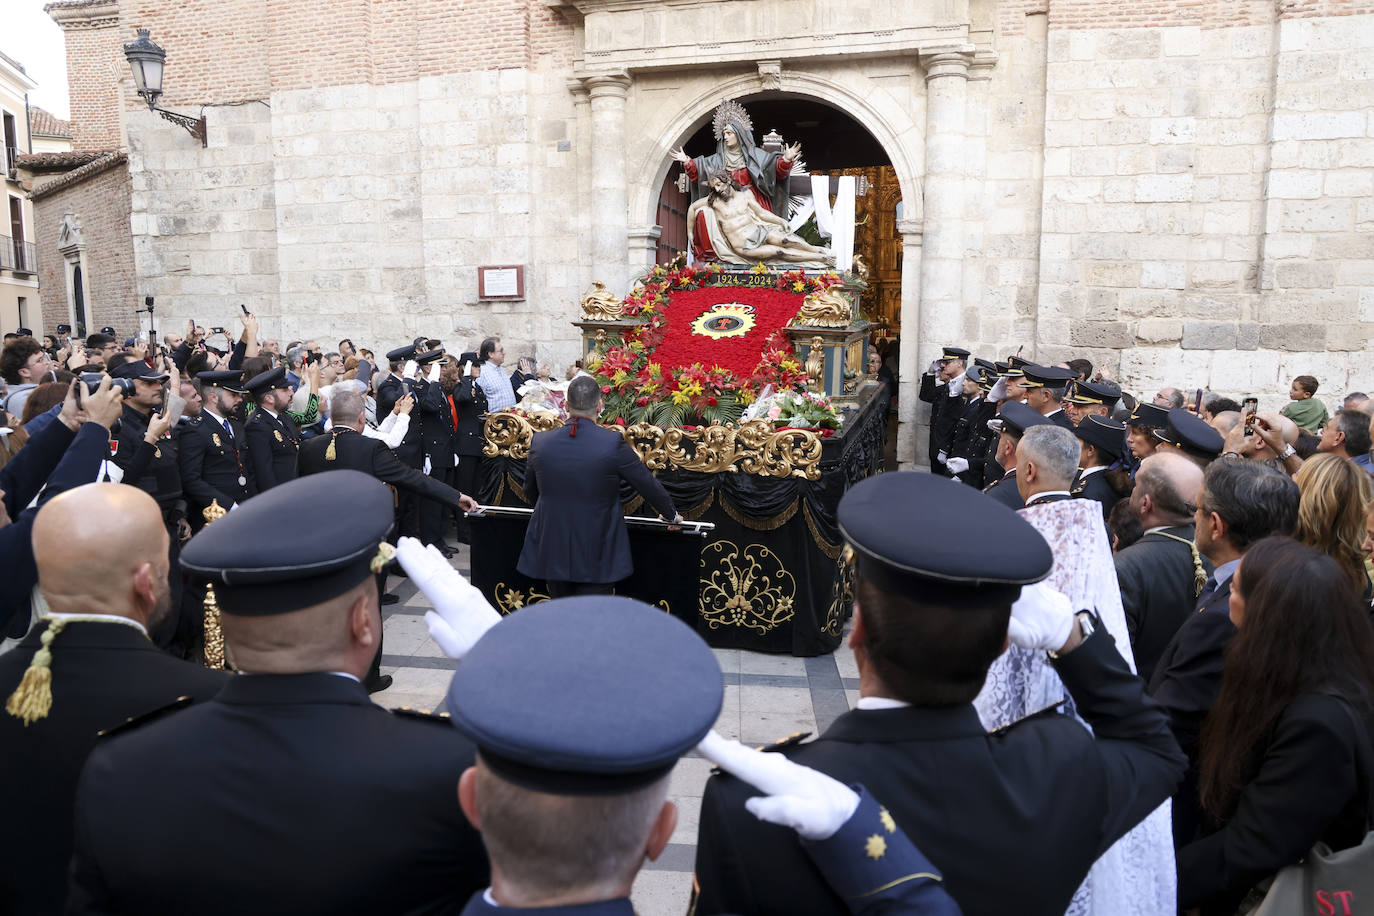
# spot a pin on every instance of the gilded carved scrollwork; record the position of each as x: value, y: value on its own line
x: 753, y: 447
x: 509, y: 600
x: 829, y: 308
x: 745, y: 587
x: 509, y: 434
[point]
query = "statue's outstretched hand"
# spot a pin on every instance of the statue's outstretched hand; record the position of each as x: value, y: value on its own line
x: 792, y: 153
x: 680, y: 155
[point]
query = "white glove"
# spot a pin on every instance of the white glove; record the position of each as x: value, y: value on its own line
x: 999, y: 390
x: 934, y: 366
x: 461, y: 615
x: 942, y: 458
x: 956, y: 465
x: 434, y: 371
x: 796, y: 796
x: 408, y: 371
x: 1041, y: 619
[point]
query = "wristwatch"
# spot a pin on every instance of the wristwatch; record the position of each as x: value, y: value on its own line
x: 1288, y: 452
x: 1086, y: 626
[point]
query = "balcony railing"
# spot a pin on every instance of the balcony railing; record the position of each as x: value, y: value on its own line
x: 18, y: 256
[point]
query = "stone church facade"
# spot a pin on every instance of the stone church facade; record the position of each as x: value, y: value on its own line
x: 1181, y: 191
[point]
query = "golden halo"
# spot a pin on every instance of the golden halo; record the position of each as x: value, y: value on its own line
x: 725, y: 319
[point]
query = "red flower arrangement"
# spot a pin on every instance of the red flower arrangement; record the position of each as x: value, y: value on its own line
x: 662, y: 372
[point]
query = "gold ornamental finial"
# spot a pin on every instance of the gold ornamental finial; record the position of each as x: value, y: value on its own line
x: 214, y: 635
x: 600, y: 305
x: 214, y: 512
x: 829, y: 308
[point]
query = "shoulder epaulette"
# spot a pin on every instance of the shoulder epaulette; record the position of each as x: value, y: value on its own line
x: 144, y: 718
x: 423, y: 714
x: 1048, y: 711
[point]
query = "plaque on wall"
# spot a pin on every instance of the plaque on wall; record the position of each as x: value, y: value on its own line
x: 504, y: 281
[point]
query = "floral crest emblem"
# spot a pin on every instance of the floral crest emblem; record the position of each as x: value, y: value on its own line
x: 725, y: 319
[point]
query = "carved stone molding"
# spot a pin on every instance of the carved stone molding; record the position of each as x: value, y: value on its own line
x: 951, y: 61
x: 770, y: 74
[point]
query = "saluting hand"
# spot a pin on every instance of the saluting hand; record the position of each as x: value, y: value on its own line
x: 461, y: 614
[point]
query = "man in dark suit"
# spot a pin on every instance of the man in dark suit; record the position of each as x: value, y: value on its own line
x: 942, y: 388
x: 293, y: 792
x: 1239, y: 503
x: 929, y: 619
x: 1103, y: 442
x: 1162, y: 574
x: 576, y: 540
x: 215, y: 465
x: 273, y: 438
x: 102, y: 557
x: 1010, y: 424
x: 346, y: 448
x: 969, y: 444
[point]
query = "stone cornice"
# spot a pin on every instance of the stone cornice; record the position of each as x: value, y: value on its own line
x: 83, y: 14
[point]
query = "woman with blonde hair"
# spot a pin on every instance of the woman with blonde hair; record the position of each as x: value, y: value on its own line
x: 1335, y: 494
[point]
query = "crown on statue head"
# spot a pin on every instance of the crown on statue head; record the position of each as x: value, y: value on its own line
x: 731, y: 112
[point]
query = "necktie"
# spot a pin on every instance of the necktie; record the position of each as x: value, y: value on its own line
x: 1208, y: 588
x: 227, y: 428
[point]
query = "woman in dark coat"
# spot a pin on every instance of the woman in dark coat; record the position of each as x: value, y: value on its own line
x: 1285, y: 750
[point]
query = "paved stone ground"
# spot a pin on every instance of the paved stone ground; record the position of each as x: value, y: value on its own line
x: 767, y: 697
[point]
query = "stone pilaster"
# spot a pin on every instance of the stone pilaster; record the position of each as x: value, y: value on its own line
x: 942, y: 258
x: 610, y: 199
x: 908, y: 365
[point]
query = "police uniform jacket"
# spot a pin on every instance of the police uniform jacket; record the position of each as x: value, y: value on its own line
x: 1158, y: 592
x: 1096, y: 486
x: 436, y: 425
x: 971, y: 438
x: 103, y: 673
x: 354, y: 451
x: 293, y: 794
x: 212, y: 461
x: 577, y: 532
x: 1061, y: 419
x: 471, y: 402
x: 273, y: 444
x: 944, y: 413
x: 1006, y: 492
x: 154, y: 469
x: 411, y: 451
x: 1013, y: 819
x: 75, y: 460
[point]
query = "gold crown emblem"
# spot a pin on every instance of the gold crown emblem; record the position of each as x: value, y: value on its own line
x: 725, y: 319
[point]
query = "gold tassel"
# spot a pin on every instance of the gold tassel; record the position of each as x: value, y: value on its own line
x: 32, y: 699
x: 1199, y: 571
x: 329, y: 453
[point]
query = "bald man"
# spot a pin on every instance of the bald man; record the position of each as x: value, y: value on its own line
x: 101, y: 553
x: 1161, y: 574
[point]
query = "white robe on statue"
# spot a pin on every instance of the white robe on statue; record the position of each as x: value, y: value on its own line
x: 1137, y: 875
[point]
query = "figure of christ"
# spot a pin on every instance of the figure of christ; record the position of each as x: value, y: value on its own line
x: 740, y: 230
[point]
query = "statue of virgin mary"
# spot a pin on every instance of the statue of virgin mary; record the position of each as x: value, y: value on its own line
x: 754, y: 169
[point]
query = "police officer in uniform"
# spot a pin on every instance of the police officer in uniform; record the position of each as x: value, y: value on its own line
x: 411, y: 451
x: 1045, y: 387
x: 605, y: 749
x: 1090, y: 399
x: 1144, y: 420
x: 1103, y: 442
x: 930, y: 617
x: 969, y: 445
x: 470, y: 404
x: 1014, y: 420
x: 273, y: 437
x: 213, y: 452
x: 942, y: 389
x: 146, y: 453
x: 436, y: 437
x: 1190, y: 436
x: 294, y: 793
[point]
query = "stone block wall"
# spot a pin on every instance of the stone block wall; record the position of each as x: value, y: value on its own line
x: 1204, y: 215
